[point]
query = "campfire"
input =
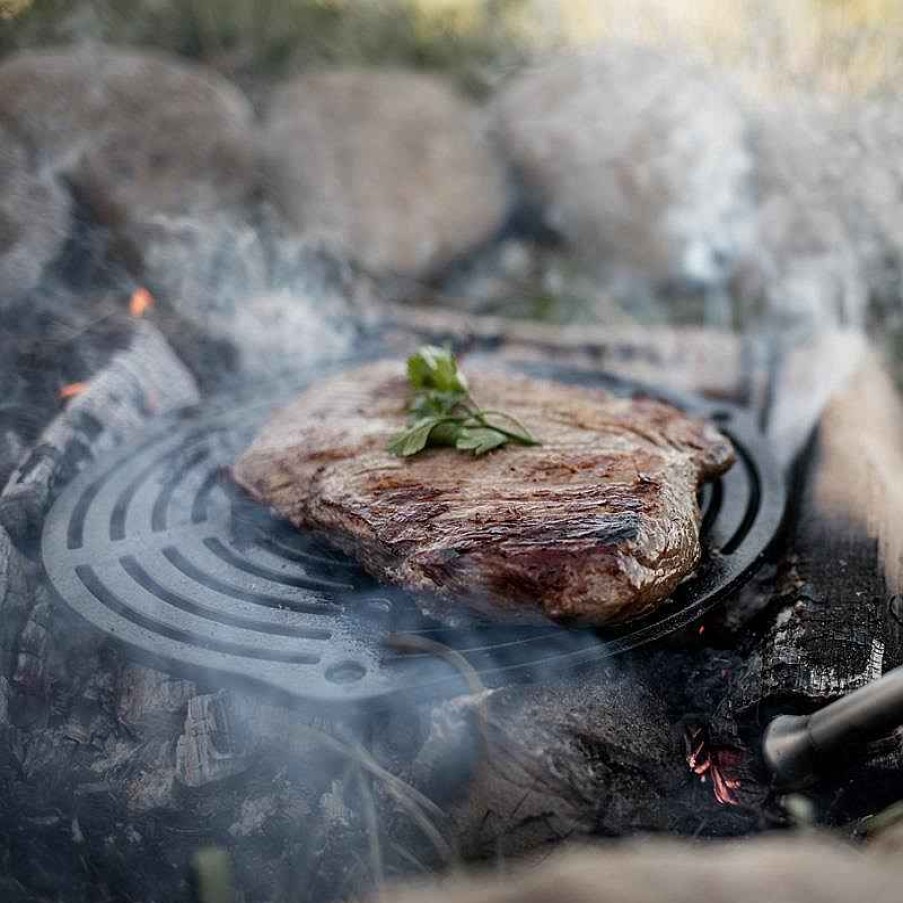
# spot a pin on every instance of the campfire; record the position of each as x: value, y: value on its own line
x: 195, y: 693
x: 715, y: 765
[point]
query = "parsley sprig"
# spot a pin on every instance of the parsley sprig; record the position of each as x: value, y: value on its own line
x: 443, y: 413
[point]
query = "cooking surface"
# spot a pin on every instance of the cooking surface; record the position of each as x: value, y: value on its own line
x: 154, y: 546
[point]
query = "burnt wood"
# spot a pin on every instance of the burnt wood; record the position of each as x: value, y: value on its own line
x: 689, y: 359
x: 140, y: 383
x: 837, y: 615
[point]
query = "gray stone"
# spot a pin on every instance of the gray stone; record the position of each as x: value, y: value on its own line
x: 828, y: 231
x: 392, y: 164
x: 667, y: 175
x: 637, y: 157
x: 34, y: 219
x: 140, y: 134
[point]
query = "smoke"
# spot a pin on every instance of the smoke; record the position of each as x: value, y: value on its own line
x: 791, y: 225
x: 283, y: 302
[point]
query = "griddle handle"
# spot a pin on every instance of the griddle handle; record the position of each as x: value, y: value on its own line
x: 795, y: 746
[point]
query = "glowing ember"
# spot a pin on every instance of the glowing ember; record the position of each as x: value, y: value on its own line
x: 717, y: 763
x: 70, y: 390
x: 142, y: 301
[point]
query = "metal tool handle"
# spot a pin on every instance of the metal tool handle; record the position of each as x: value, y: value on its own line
x: 796, y: 745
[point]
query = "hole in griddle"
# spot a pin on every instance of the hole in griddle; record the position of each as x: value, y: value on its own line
x: 345, y: 672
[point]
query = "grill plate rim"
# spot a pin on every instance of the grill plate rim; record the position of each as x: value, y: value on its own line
x: 717, y: 576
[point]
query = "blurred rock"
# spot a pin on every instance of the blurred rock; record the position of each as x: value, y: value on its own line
x: 792, y: 869
x: 638, y: 158
x: 139, y: 134
x: 392, y: 164
x: 829, y: 237
x: 34, y: 219
x: 803, y: 266
x: 670, y: 179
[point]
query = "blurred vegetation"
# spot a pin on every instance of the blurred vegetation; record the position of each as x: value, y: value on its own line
x: 846, y: 46
x: 471, y: 41
x: 841, y: 46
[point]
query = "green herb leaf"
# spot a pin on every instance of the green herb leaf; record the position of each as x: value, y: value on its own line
x: 442, y: 411
x: 508, y: 425
x: 479, y: 439
x: 446, y: 433
x: 435, y: 368
x: 432, y: 403
x: 413, y: 439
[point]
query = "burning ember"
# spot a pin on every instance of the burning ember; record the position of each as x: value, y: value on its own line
x: 719, y: 763
x: 141, y: 302
x: 70, y: 390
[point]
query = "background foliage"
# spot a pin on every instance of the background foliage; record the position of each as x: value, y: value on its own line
x: 847, y: 46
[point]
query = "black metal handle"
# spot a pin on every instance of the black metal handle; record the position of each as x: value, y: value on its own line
x: 795, y: 746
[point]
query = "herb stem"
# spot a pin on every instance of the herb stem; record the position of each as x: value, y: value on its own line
x: 443, y: 412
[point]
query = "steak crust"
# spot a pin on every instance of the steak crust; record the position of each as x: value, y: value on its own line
x: 598, y: 524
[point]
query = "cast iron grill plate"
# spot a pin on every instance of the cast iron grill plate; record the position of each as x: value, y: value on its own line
x: 153, y: 546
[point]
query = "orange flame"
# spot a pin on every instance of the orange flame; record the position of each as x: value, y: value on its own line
x: 70, y: 390
x: 142, y: 301
x: 719, y: 764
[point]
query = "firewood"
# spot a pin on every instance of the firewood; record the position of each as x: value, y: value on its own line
x: 144, y: 381
x: 688, y: 359
x: 838, y: 625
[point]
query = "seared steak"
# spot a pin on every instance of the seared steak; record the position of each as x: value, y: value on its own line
x: 599, y: 523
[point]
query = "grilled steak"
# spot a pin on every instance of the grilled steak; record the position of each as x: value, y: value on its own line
x: 599, y: 523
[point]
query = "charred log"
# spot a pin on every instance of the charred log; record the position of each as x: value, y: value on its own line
x: 838, y: 624
x: 140, y: 383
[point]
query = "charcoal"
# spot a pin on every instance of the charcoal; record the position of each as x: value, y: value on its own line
x: 16, y: 601
x: 209, y: 748
x: 30, y: 672
x: 151, y: 698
